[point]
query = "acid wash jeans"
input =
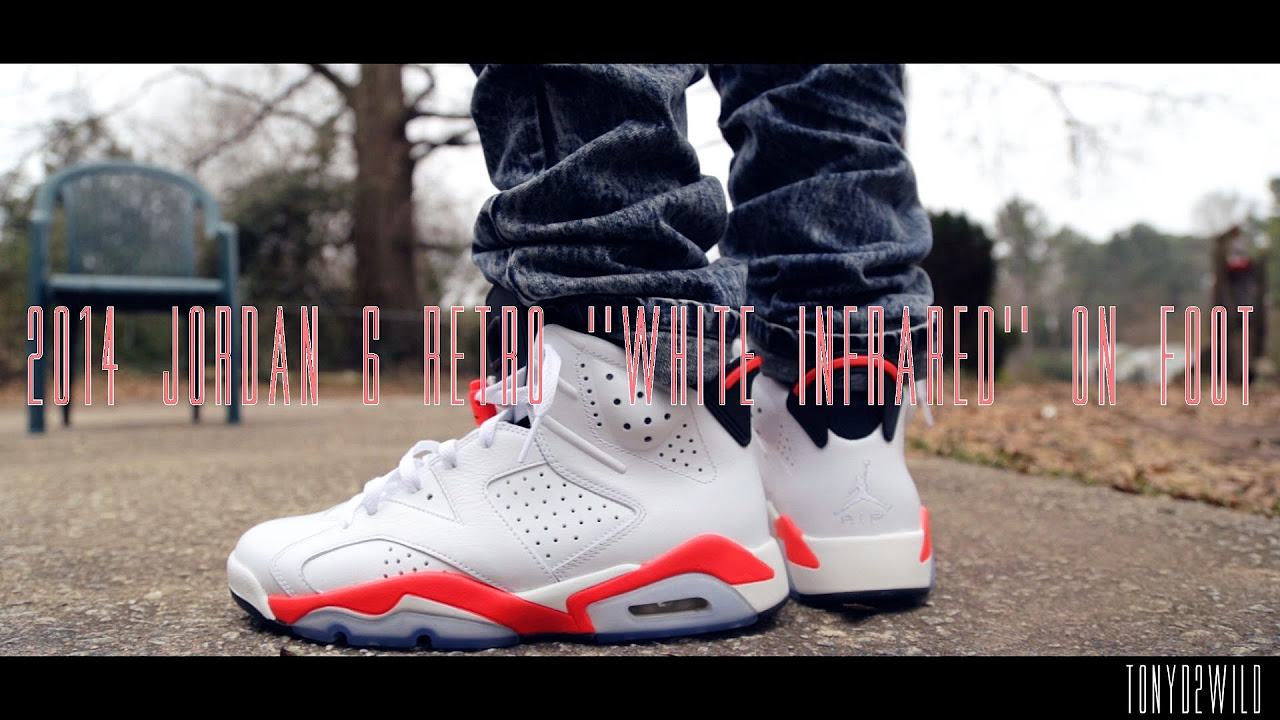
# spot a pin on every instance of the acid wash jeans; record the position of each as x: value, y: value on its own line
x: 602, y: 202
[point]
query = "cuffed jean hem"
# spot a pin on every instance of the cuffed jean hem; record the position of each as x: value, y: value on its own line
x: 778, y: 346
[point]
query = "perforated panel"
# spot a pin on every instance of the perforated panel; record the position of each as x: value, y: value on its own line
x: 366, y: 561
x: 779, y: 431
x: 652, y: 428
x: 554, y: 518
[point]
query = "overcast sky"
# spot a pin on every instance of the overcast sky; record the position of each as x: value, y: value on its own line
x: 976, y: 135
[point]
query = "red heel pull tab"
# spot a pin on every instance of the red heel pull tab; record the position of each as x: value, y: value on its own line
x: 480, y: 412
x: 926, y: 547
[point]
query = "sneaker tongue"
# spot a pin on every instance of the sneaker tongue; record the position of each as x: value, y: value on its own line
x: 497, y: 299
x: 565, y: 341
x: 558, y: 339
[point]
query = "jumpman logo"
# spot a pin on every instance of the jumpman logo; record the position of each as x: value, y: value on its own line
x: 860, y: 493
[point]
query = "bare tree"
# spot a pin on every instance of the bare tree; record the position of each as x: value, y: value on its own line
x: 992, y: 101
x: 379, y: 112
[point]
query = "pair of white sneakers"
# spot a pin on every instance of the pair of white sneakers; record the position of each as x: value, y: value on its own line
x: 601, y: 514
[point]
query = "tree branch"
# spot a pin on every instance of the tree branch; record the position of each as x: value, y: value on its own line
x: 1082, y: 131
x: 338, y: 83
x: 413, y: 109
x: 272, y: 102
x: 266, y: 107
x: 426, y: 92
x: 1077, y: 129
x: 142, y: 90
x: 414, y: 112
x: 1127, y: 88
x: 461, y: 138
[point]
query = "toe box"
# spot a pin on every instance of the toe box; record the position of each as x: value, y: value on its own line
x: 258, y: 567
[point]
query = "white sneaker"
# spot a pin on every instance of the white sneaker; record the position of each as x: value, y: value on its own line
x: 583, y: 515
x: 841, y: 498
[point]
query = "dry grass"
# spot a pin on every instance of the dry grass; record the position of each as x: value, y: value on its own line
x: 1226, y: 455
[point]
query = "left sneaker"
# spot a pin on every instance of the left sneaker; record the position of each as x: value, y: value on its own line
x: 586, y: 514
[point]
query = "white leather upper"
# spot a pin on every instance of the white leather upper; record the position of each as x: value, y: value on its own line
x: 364, y: 561
x: 848, y: 488
x: 607, y: 484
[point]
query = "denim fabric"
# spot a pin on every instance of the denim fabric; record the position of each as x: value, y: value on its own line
x: 602, y: 200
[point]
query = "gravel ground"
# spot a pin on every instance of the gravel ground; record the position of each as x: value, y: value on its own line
x: 114, y: 534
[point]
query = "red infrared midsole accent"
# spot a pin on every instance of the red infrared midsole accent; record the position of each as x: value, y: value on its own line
x: 844, y: 361
x: 712, y: 555
x: 460, y: 591
x: 926, y: 548
x: 797, y: 549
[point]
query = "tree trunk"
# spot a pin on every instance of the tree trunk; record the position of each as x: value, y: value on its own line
x: 383, y: 231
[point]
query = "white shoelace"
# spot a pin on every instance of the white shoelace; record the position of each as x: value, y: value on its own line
x: 922, y: 401
x: 408, y: 473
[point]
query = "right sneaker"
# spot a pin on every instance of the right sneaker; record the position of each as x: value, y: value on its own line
x: 841, y: 498
x: 596, y: 513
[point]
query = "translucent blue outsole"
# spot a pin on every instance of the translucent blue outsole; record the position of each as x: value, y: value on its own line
x: 440, y: 633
